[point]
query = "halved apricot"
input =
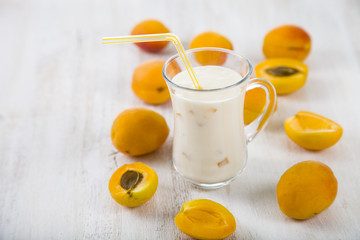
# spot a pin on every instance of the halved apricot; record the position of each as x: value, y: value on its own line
x: 286, y: 74
x: 312, y: 131
x: 255, y: 101
x: 205, y: 219
x: 287, y: 41
x: 150, y: 26
x: 211, y: 39
x: 254, y: 104
x: 306, y: 189
x: 133, y: 184
x: 148, y: 83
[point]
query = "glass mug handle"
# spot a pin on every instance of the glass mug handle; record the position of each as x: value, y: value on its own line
x: 260, y: 122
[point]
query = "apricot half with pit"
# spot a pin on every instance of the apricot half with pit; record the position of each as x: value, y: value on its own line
x: 205, y: 219
x: 312, y: 131
x: 148, y: 83
x: 306, y: 189
x: 133, y: 184
x: 287, y: 41
x: 138, y: 131
x: 150, y: 26
x: 286, y: 74
x: 211, y: 39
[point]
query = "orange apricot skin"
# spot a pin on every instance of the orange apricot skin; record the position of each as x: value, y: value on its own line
x: 148, y: 83
x: 313, y: 138
x: 254, y: 104
x: 306, y: 189
x: 138, y: 131
x: 142, y: 192
x: 255, y: 101
x: 205, y: 219
x: 287, y: 41
x: 150, y: 26
x: 211, y: 39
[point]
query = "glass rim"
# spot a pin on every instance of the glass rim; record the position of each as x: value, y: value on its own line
x: 243, y: 78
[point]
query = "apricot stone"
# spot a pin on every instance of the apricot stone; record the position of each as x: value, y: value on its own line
x: 287, y: 41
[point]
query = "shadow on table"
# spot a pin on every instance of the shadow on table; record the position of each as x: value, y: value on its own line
x: 257, y: 194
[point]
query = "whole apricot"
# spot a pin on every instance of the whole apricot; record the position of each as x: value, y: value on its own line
x: 133, y: 184
x: 148, y: 83
x: 150, y: 26
x: 138, y: 131
x: 211, y: 39
x: 312, y: 131
x: 205, y: 219
x: 286, y: 74
x: 287, y: 41
x: 306, y: 189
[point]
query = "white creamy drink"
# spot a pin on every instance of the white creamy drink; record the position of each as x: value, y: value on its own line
x: 209, y: 140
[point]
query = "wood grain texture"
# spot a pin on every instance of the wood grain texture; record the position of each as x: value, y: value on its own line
x: 60, y: 90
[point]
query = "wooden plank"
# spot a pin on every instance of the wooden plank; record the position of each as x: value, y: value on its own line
x: 60, y: 90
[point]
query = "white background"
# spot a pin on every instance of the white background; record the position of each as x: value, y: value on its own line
x: 61, y: 89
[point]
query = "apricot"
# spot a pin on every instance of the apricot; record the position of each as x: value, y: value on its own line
x: 138, y: 131
x: 306, y: 189
x: 255, y: 101
x: 287, y: 41
x: 211, y: 39
x: 205, y: 219
x: 312, y: 131
x: 150, y: 26
x: 133, y: 184
x: 148, y: 83
x: 286, y: 74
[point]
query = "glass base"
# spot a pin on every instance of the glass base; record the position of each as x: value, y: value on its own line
x: 209, y: 185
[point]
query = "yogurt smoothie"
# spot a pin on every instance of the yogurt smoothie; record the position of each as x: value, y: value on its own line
x: 209, y: 140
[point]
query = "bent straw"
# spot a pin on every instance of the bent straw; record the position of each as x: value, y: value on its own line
x: 157, y: 38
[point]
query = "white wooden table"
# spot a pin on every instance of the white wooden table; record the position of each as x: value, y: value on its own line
x: 60, y: 90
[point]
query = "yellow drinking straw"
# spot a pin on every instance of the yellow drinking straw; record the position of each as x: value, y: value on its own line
x: 157, y: 38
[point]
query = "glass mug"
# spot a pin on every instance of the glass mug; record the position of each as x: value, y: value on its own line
x: 210, y: 137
